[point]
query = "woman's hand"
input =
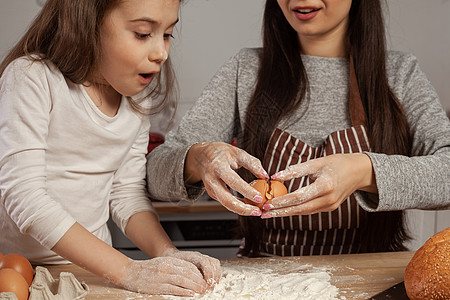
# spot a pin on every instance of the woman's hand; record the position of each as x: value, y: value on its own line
x: 214, y: 164
x: 163, y: 276
x: 333, y: 178
x: 208, y: 266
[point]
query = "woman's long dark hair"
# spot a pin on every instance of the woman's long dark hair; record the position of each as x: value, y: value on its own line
x: 386, y: 122
x: 67, y: 33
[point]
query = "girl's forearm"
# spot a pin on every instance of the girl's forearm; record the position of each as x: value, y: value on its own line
x: 84, y: 249
x: 145, y: 231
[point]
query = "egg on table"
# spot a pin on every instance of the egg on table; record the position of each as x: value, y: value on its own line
x: 16, y: 275
x: 18, y: 263
x: 12, y: 281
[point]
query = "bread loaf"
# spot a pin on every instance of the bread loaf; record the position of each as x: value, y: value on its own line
x: 427, y: 275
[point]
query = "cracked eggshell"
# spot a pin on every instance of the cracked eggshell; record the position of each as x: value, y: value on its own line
x: 269, y: 190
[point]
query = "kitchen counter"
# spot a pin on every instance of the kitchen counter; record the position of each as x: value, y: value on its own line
x: 166, y: 208
x: 357, y: 276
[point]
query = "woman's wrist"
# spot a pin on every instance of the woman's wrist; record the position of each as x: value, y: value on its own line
x: 368, y: 181
x: 191, y: 173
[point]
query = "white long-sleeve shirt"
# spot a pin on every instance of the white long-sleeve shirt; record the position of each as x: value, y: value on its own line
x: 63, y: 161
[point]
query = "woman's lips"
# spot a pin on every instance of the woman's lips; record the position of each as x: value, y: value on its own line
x: 306, y: 13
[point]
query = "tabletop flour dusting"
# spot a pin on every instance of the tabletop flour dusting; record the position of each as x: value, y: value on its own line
x: 265, y: 284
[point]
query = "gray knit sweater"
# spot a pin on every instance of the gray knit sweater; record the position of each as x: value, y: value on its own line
x: 421, y: 181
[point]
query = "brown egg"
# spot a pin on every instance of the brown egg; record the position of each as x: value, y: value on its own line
x: 20, y: 264
x: 1, y: 255
x: 12, y: 281
x: 268, y: 190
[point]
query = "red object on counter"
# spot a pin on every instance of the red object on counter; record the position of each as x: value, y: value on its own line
x: 155, y: 139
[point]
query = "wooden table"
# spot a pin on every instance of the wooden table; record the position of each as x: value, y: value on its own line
x: 357, y: 276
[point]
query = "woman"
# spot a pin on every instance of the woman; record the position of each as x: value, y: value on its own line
x: 356, y: 133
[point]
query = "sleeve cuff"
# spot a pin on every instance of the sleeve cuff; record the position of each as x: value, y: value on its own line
x: 59, y: 227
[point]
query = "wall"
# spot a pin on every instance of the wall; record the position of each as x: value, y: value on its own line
x: 422, y: 28
x: 15, y: 16
x: 211, y: 31
x: 206, y: 37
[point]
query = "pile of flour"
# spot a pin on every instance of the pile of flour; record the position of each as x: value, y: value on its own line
x: 265, y: 284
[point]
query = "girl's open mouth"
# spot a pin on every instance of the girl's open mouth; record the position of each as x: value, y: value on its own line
x: 146, y: 77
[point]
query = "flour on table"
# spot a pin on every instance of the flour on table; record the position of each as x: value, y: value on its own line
x: 265, y: 284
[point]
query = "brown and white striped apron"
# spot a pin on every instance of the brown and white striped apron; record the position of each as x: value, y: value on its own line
x: 336, y: 232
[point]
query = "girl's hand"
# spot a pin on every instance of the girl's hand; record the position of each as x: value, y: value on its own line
x: 333, y: 178
x: 208, y: 266
x: 214, y: 164
x: 163, y: 276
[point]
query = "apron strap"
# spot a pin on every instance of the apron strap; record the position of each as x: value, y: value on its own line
x: 357, y: 113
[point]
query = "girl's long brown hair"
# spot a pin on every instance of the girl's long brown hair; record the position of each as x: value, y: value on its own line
x: 385, y: 119
x: 67, y: 33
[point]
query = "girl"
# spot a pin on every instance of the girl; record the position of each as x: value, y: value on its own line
x: 74, y: 102
x: 356, y: 133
